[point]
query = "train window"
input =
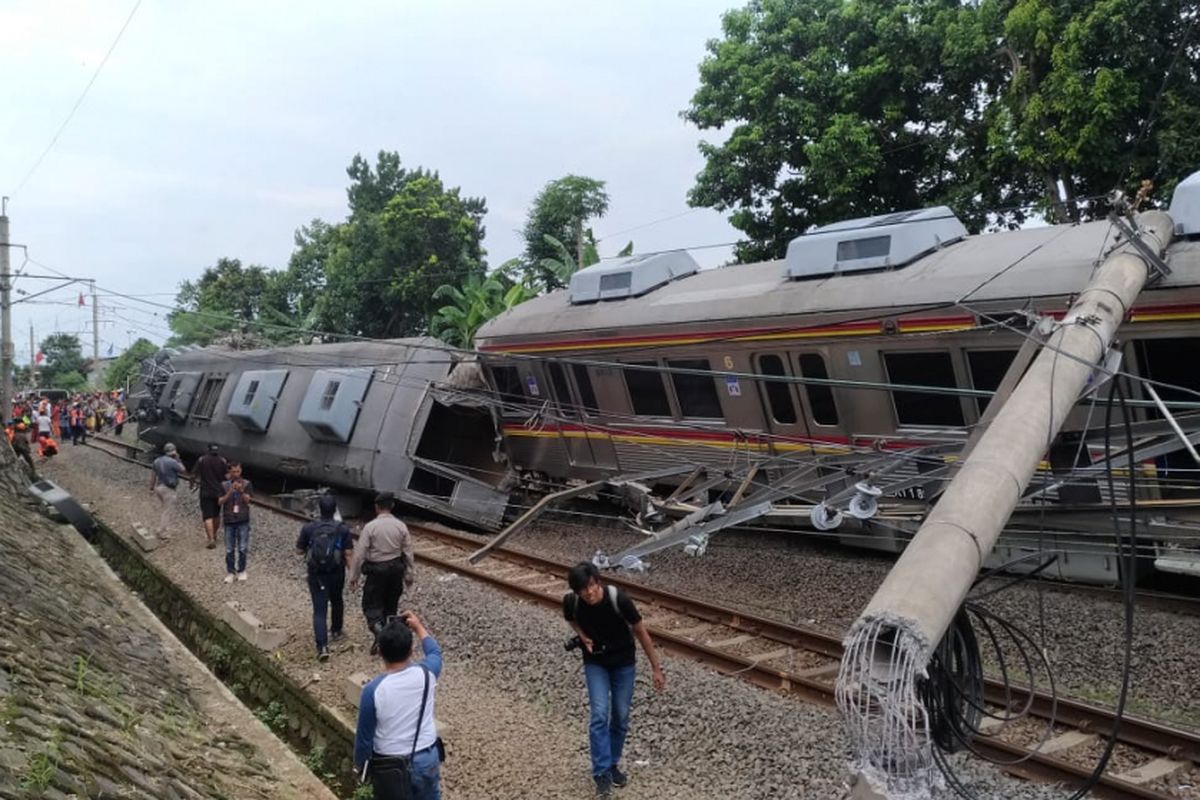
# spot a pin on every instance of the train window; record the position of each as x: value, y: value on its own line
x: 209, y: 394
x: 779, y: 396
x: 562, y: 389
x: 987, y: 371
x: 646, y: 390
x: 508, y: 383
x: 924, y: 369
x: 820, y: 396
x: 330, y: 394
x: 697, y: 394
x: 583, y: 381
x: 251, y: 390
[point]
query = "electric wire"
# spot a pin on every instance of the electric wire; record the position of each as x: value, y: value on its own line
x: 79, y: 101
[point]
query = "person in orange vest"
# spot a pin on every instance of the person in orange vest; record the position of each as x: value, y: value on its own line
x: 56, y: 420
x: 47, y: 447
x: 78, y: 433
x: 119, y: 420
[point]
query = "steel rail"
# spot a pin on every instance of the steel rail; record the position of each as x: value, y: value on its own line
x: 1147, y: 735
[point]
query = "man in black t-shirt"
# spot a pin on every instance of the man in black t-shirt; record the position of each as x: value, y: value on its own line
x: 606, y: 622
x: 210, y: 473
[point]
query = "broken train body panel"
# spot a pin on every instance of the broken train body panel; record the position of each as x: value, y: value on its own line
x: 359, y: 416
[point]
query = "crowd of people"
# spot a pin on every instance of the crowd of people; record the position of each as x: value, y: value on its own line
x: 44, y: 422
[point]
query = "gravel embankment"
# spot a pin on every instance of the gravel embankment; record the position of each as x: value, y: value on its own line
x: 512, y: 701
x: 784, y: 577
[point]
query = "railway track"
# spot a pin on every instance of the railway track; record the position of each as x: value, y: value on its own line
x: 1152, y: 761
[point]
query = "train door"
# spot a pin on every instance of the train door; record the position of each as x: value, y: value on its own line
x: 823, y: 418
x: 586, y: 442
x: 1173, y: 362
x: 782, y: 410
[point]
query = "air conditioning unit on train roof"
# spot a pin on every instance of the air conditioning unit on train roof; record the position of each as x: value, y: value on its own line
x: 884, y: 242
x: 629, y: 276
x: 1185, y: 206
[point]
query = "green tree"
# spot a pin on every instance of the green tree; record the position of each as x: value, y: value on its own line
x: 64, y: 361
x: 227, y: 298
x: 474, y: 302
x: 846, y: 108
x: 561, y: 211
x: 562, y: 265
x: 127, y: 366
x: 384, y: 264
x: 1082, y: 81
x: 71, y: 381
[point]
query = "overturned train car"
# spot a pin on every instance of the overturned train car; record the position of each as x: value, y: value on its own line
x: 357, y: 416
x: 836, y: 389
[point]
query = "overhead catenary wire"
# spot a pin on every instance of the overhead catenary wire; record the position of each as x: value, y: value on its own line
x: 78, y: 102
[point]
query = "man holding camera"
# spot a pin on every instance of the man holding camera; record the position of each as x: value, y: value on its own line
x: 396, y: 743
x: 606, y: 622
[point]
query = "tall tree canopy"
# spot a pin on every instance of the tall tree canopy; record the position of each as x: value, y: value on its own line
x: 63, y: 368
x: 844, y: 108
x: 559, y: 217
x: 227, y: 298
x: 127, y: 366
x: 407, y: 235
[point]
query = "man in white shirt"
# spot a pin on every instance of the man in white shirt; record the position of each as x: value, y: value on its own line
x: 43, y: 424
x: 396, y: 742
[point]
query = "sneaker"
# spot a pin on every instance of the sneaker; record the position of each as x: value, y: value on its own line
x: 337, y: 636
x: 604, y: 785
x: 242, y: 575
x: 323, y: 655
x: 211, y: 545
x: 229, y: 578
x: 619, y: 779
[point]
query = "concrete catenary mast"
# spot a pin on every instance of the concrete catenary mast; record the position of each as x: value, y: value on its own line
x: 889, y: 646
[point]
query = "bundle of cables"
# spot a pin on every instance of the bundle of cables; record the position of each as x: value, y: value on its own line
x: 953, y: 692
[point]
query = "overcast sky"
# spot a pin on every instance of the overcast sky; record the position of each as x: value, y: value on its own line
x: 217, y: 128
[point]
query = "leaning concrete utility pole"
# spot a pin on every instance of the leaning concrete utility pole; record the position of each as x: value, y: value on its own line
x: 6, y: 340
x: 889, y: 646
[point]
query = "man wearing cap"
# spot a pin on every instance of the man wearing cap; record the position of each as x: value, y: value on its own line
x: 326, y: 544
x: 164, y: 482
x: 384, y: 554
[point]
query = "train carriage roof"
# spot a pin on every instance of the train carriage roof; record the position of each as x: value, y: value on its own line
x: 1015, y: 265
x: 423, y: 353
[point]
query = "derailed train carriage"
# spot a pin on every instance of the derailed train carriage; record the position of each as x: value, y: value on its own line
x: 837, y: 388
x: 356, y: 416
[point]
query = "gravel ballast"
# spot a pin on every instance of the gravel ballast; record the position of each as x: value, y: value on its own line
x: 512, y: 702
x: 785, y: 577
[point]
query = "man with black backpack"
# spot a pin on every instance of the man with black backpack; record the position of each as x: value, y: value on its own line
x: 325, y: 544
x: 606, y: 622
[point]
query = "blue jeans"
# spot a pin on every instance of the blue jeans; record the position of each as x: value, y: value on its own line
x: 610, y: 694
x: 426, y: 775
x: 326, y: 590
x: 237, y: 535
